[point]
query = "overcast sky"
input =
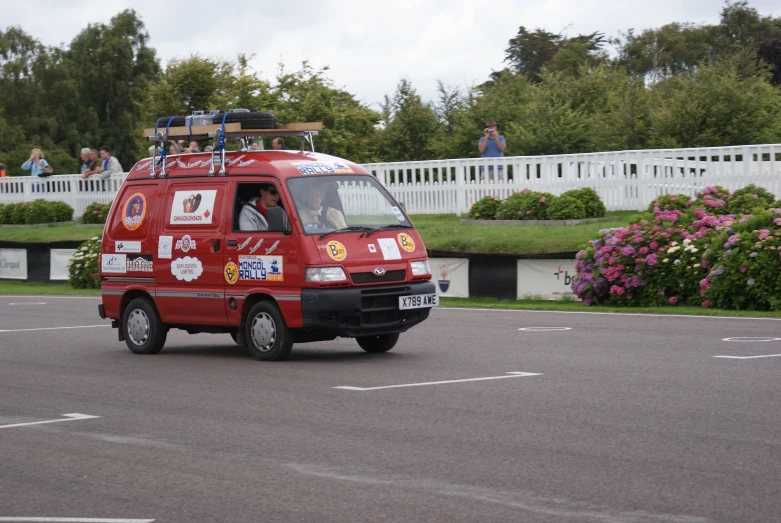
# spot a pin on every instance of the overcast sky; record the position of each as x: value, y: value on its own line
x: 369, y: 45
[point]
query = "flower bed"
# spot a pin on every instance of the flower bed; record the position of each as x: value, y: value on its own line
x: 83, y: 266
x: 690, y: 251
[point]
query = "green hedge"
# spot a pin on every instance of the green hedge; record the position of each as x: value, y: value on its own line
x: 533, y: 205
x: 34, y: 212
x: 95, y: 213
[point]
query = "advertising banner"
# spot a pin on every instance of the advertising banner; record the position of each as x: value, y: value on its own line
x: 451, y: 276
x: 58, y: 263
x: 13, y: 264
x: 548, y: 279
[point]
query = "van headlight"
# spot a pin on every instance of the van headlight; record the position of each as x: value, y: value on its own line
x: 419, y: 268
x: 323, y: 274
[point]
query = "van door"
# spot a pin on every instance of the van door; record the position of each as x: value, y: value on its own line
x: 257, y: 261
x: 190, y: 289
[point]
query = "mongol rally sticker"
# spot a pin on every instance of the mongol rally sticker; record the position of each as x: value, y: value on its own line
x: 336, y: 250
x: 406, y: 242
x: 261, y: 268
x: 134, y: 212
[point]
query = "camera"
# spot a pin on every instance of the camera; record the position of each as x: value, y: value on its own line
x: 490, y: 131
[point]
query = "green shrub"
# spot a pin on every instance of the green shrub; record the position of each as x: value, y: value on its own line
x: 16, y: 213
x: 485, y: 208
x: 750, y: 198
x: 83, y: 266
x: 591, y: 200
x: 525, y: 205
x: 566, y: 208
x: 61, y: 211
x: 38, y: 211
x: 95, y: 213
x: 670, y: 202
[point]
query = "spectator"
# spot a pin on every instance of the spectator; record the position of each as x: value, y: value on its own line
x: 35, y: 164
x: 94, y: 164
x: 84, y: 160
x: 312, y: 211
x: 3, y: 174
x: 255, y: 146
x: 110, y: 164
x: 208, y: 149
x: 47, y: 171
x: 253, y: 216
x: 278, y: 144
x: 193, y: 148
x: 491, y: 145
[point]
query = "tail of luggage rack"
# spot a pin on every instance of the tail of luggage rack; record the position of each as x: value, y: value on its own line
x: 219, y: 133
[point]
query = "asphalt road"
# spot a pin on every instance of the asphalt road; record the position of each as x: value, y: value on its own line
x: 629, y: 419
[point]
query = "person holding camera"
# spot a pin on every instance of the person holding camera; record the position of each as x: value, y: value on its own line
x: 491, y: 145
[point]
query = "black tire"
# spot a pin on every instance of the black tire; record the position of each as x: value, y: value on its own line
x: 251, y: 120
x: 265, y: 323
x: 377, y: 344
x: 142, y: 328
x: 178, y: 121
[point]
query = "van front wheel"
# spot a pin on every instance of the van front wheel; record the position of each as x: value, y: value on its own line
x: 143, y: 330
x: 267, y: 336
x: 376, y: 344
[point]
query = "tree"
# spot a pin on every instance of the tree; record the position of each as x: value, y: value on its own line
x: 769, y: 52
x: 527, y: 52
x: 412, y: 130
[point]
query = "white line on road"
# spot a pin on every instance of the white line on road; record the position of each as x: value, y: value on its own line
x: 511, y: 375
x: 611, y: 313
x: 27, y: 303
x: 54, y: 328
x: 79, y: 520
x: 751, y: 339
x: 748, y: 357
x: 68, y: 417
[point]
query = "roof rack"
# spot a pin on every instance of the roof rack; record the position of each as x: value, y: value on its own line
x: 220, y: 132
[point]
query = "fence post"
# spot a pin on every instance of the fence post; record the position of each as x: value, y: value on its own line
x: 461, y: 203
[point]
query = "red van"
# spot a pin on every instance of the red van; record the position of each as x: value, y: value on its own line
x: 334, y: 255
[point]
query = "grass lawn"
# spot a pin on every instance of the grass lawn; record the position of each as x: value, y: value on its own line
x: 56, y: 232
x: 13, y: 287
x: 439, y: 232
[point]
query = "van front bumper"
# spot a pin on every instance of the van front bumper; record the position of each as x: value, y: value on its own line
x: 363, y: 311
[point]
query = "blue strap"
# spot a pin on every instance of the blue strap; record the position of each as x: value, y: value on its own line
x: 165, y: 141
x: 221, y: 141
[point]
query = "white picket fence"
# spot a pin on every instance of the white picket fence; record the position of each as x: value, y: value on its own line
x: 625, y: 180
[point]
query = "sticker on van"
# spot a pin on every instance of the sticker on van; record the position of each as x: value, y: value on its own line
x: 141, y: 263
x: 126, y: 246
x: 164, y: 247
x: 390, y: 251
x: 186, y: 243
x: 113, y: 263
x: 191, y: 207
x: 261, y: 268
x: 323, y: 168
x: 231, y: 273
x: 135, y: 210
x: 406, y: 242
x: 187, y: 268
x: 336, y: 250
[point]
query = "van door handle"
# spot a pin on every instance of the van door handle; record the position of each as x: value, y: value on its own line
x: 233, y: 243
x: 216, y: 245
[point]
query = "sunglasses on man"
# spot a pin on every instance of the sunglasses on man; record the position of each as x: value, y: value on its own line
x: 273, y: 191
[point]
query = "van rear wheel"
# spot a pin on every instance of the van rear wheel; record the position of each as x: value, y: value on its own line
x: 377, y: 344
x: 142, y: 328
x: 267, y: 336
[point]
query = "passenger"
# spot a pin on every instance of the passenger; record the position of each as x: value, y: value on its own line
x: 253, y: 216
x: 313, y: 212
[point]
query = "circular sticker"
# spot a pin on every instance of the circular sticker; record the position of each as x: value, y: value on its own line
x: 336, y: 250
x: 135, y: 209
x: 231, y: 273
x: 406, y: 242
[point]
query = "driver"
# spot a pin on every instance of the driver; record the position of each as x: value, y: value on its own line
x: 313, y: 212
x: 253, y: 215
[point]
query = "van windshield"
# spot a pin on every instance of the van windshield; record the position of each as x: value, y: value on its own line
x: 331, y: 203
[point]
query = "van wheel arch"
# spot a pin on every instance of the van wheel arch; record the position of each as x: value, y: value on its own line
x: 132, y: 295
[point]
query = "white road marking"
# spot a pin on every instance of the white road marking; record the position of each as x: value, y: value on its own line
x: 68, y: 417
x: 27, y: 303
x: 749, y: 339
x: 511, y: 375
x: 54, y: 328
x: 79, y: 520
x: 544, y: 329
x: 612, y: 313
x: 749, y: 357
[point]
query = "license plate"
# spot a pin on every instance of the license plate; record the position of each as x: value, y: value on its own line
x: 418, y: 301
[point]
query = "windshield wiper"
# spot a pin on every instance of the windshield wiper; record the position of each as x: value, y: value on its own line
x: 384, y: 227
x: 349, y: 228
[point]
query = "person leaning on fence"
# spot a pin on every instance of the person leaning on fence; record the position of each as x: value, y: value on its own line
x: 94, y: 164
x: 84, y: 161
x: 491, y: 145
x: 110, y: 165
x: 37, y: 166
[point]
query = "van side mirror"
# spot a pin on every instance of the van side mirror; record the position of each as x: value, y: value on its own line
x: 277, y: 220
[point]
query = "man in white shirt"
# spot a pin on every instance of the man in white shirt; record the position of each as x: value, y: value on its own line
x: 109, y: 164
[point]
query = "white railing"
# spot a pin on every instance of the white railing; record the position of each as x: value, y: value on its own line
x: 69, y: 188
x: 625, y: 180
